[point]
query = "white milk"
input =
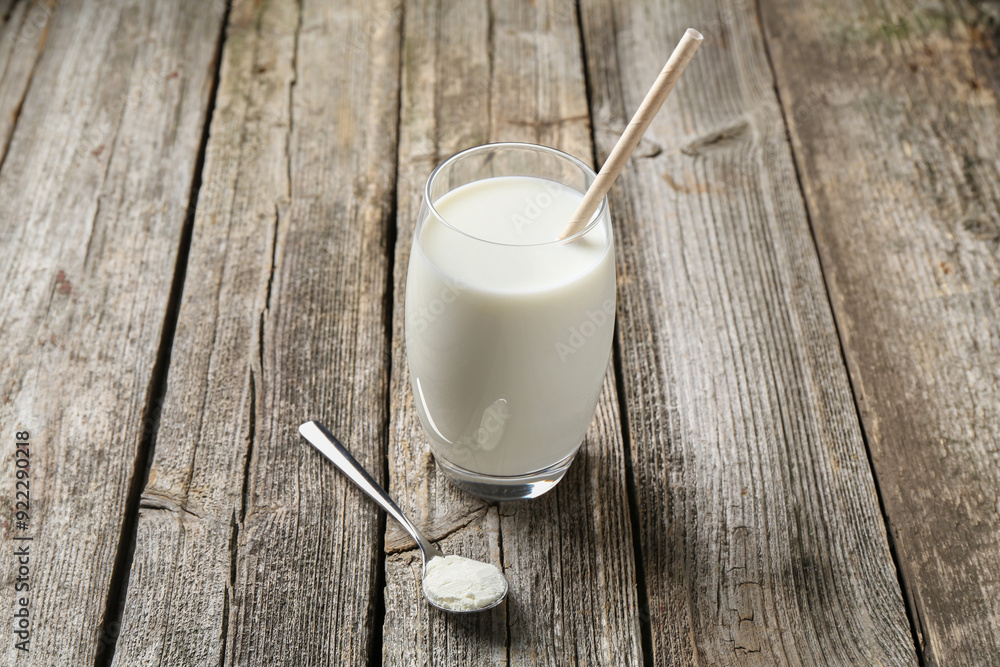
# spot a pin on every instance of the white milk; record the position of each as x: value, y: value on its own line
x: 508, y: 343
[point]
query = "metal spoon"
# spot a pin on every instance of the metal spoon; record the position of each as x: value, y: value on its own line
x: 320, y: 438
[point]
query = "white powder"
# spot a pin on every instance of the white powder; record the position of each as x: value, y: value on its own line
x: 461, y: 584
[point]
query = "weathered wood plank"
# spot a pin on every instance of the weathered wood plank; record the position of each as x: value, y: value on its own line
x: 470, y: 77
x: 417, y: 634
x: 24, y: 29
x: 95, y: 188
x: 894, y: 119
x: 252, y: 549
x: 761, y: 533
x: 437, y: 118
x: 180, y: 586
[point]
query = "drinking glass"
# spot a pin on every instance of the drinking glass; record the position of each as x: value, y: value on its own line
x: 508, y: 330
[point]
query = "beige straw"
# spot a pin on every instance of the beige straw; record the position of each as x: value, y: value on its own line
x: 672, y: 71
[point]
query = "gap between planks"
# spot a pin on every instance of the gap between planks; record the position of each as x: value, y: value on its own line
x: 378, y: 618
x: 117, y: 590
x: 810, y: 220
x: 645, y: 640
x: 642, y: 594
x: 15, y: 113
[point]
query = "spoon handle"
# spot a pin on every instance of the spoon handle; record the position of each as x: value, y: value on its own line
x: 320, y: 438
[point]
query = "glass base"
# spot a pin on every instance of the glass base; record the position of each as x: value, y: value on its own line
x: 518, y: 487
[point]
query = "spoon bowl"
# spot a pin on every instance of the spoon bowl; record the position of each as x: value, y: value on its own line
x: 461, y: 611
x: 319, y: 437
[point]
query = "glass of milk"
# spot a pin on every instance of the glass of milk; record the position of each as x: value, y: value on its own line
x: 508, y: 330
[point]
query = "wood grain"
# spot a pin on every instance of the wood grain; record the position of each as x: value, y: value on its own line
x: 897, y: 148
x: 95, y: 188
x: 24, y: 30
x: 760, y: 527
x: 252, y: 549
x: 476, y: 72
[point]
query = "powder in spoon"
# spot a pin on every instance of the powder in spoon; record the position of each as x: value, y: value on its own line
x: 462, y: 584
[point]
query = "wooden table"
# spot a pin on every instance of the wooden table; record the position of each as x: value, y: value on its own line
x: 205, y: 218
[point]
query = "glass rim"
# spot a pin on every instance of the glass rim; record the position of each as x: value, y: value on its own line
x: 594, y: 220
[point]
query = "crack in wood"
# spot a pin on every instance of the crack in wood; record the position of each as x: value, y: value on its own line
x: 118, y: 588
x: 718, y: 138
x: 41, y: 42
x: 160, y: 502
x: 410, y: 545
x: 910, y: 607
